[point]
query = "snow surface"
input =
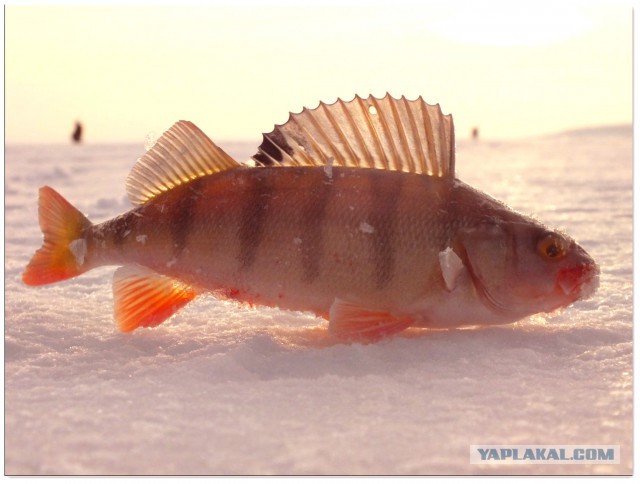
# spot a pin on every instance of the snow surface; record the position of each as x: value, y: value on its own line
x: 224, y: 389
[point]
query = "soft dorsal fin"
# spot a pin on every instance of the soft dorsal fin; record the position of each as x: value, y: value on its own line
x: 386, y: 133
x: 181, y: 154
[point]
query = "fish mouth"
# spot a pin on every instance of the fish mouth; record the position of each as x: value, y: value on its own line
x: 578, y: 282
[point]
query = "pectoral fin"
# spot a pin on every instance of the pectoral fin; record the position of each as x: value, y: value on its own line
x: 145, y: 298
x: 353, y: 322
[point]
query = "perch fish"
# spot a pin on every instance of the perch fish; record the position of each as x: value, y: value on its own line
x: 350, y: 210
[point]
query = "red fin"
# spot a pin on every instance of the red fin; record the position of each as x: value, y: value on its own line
x: 355, y: 323
x: 145, y: 298
x: 63, y: 250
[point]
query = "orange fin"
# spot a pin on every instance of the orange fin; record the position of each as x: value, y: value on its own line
x: 64, y: 248
x: 145, y: 298
x: 356, y: 323
x: 183, y: 153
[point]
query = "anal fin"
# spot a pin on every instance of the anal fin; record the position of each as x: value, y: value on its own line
x: 145, y: 298
x: 353, y: 322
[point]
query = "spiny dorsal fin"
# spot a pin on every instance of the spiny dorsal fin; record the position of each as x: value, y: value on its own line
x: 386, y: 133
x: 181, y: 154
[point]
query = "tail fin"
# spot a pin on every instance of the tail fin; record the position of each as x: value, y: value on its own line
x: 63, y: 251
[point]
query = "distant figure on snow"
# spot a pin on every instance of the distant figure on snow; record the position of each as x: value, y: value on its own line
x: 76, y: 136
x: 475, y: 133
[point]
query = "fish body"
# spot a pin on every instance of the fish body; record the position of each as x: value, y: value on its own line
x: 374, y: 249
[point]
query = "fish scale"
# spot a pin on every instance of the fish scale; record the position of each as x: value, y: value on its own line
x: 353, y: 213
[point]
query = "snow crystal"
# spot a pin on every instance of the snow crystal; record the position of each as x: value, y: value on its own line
x: 150, y: 140
x: 141, y: 239
x: 328, y: 168
x: 78, y: 248
x: 451, y: 265
x: 365, y: 228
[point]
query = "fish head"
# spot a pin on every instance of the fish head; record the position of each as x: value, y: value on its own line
x: 519, y: 267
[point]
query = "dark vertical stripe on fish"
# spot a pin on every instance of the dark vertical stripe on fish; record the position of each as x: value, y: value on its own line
x: 254, y: 211
x: 386, y: 188
x: 313, y: 221
x: 181, y: 216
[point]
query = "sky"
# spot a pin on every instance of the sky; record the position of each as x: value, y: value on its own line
x: 512, y: 69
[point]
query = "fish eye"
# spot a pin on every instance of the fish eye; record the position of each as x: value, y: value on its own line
x: 552, y: 246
